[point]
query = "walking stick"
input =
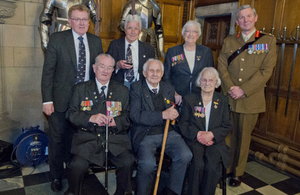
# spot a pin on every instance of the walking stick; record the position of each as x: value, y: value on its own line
x: 106, y: 158
x: 162, y: 152
x: 161, y: 156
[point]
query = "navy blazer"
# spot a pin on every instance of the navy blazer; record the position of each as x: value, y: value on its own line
x: 142, y: 112
x: 117, y: 50
x: 219, y: 122
x: 178, y: 73
x: 60, y: 67
x: 86, y: 141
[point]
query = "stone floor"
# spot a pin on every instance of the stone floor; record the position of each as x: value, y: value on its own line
x: 258, y: 179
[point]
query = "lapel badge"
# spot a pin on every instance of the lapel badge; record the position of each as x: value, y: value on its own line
x: 216, y: 105
x: 198, y: 58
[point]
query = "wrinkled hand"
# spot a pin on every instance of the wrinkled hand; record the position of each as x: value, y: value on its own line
x: 99, y: 119
x: 122, y: 64
x: 48, y: 109
x: 112, y: 122
x: 236, y: 92
x: 205, y: 137
x: 178, y: 99
x: 171, y: 113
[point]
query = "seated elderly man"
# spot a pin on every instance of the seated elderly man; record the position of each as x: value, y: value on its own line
x: 149, y: 109
x: 87, y: 113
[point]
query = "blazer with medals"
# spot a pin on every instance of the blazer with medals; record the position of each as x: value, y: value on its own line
x: 219, y: 122
x: 117, y: 50
x: 88, y: 141
x: 251, y: 72
x: 142, y: 112
x: 60, y: 67
x: 177, y: 70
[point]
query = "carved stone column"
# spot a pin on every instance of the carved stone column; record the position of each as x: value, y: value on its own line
x: 7, y: 9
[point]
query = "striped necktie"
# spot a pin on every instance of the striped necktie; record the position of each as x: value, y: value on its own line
x: 129, y: 73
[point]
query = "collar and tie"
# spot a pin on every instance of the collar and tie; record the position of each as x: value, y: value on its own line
x: 81, y: 61
x: 129, y: 73
x: 154, y: 90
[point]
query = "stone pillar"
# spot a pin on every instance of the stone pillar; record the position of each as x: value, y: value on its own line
x: 7, y: 9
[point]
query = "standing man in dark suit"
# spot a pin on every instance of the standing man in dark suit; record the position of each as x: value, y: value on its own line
x: 244, y: 72
x: 87, y: 113
x: 149, y: 109
x: 130, y: 69
x: 69, y: 58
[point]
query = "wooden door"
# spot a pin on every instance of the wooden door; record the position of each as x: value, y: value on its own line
x: 215, y: 30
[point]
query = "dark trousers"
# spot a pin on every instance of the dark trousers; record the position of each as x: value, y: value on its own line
x: 176, y: 149
x: 124, y: 167
x: 60, y: 140
x: 205, y: 170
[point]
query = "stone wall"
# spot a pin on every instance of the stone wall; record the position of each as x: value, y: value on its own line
x: 21, y: 63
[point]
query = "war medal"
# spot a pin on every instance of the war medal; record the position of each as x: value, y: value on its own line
x: 114, y: 108
x: 86, y: 105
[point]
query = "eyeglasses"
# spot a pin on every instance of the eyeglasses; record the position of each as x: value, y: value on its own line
x: 80, y: 20
x: 209, y: 81
x: 109, y: 68
x: 191, y: 31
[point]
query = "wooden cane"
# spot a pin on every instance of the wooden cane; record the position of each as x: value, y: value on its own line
x: 162, y: 154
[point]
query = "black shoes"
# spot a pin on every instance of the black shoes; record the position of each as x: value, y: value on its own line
x: 56, y: 185
x: 234, y: 181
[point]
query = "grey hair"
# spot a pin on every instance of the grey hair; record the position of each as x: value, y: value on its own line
x: 244, y: 7
x: 194, y: 23
x: 133, y: 18
x: 151, y: 60
x: 211, y: 71
x: 106, y: 55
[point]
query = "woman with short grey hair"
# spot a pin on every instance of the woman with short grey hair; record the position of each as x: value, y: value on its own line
x: 184, y: 62
x: 204, y: 123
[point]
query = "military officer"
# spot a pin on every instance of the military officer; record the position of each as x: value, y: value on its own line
x: 245, y: 65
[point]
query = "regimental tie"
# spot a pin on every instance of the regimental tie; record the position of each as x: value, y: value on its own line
x: 81, y: 61
x: 102, y: 94
x: 129, y: 73
x: 154, y: 90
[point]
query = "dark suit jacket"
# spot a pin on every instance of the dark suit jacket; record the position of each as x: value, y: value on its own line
x: 88, y: 141
x: 142, y: 112
x: 219, y: 122
x: 117, y: 50
x: 60, y: 67
x: 178, y: 73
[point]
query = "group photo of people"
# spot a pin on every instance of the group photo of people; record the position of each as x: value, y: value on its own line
x: 134, y: 102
